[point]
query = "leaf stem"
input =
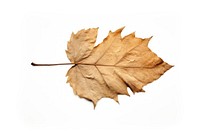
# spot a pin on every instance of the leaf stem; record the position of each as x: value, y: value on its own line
x: 35, y: 64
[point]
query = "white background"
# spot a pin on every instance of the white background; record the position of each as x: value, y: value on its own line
x: 37, y: 99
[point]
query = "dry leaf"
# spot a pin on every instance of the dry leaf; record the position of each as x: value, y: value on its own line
x: 105, y: 71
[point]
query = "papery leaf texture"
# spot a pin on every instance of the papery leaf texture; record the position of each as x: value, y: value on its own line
x: 106, y: 70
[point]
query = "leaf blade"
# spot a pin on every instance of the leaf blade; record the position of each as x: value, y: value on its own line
x: 114, y: 65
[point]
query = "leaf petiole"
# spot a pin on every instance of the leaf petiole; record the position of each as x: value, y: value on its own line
x: 57, y: 64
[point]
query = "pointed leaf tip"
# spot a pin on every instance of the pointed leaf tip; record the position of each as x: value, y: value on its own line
x: 116, y: 99
x: 119, y: 30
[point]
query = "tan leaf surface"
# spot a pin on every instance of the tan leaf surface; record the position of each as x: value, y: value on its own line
x: 109, y: 68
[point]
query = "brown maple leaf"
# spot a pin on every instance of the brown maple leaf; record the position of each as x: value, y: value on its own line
x: 105, y: 71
